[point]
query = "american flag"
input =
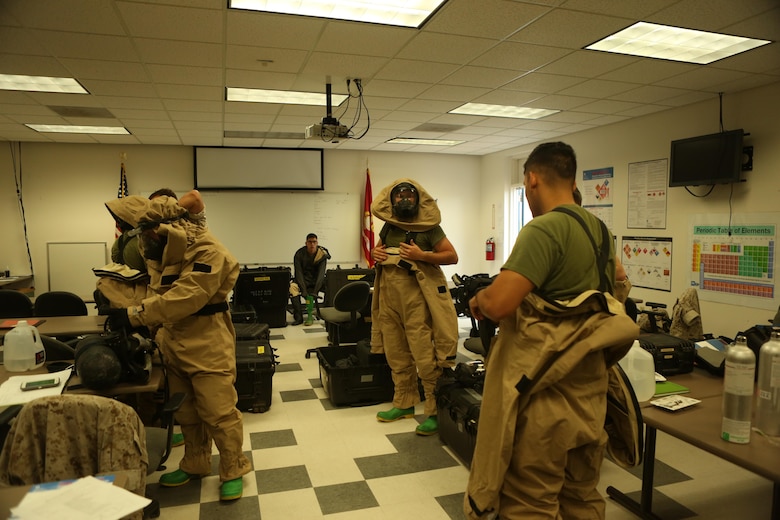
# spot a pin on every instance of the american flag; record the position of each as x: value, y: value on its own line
x: 121, y: 192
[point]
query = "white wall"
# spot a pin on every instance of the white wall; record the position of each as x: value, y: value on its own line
x: 65, y: 186
x: 648, y: 138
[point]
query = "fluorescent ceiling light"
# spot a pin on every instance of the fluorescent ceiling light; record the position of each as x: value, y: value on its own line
x: 479, y: 109
x: 415, y: 140
x: 40, y: 84
x: 390, y: 12
x: 255, y: 95
x: 674, y: 43
x: 78, y: 129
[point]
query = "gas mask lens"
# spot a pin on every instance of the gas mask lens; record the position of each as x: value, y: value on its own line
x: 404, y: 199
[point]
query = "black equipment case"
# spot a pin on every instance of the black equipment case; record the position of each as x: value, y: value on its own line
x: 256, y: 331
x: 255, y: 368
x: 267, y: 290
x: 459, y: 400
x: 349, y: 381
x: 243, y: 313
x: 672, y: 355
x: 337, y: 278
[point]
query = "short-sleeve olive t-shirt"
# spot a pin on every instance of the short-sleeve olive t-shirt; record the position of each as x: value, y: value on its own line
x: 425, y: 240
x: 555, y: 254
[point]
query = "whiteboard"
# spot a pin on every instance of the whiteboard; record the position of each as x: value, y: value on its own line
x: 266, y: 228
x: 71, y: 263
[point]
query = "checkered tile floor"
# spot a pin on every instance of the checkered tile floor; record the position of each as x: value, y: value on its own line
x: 316, y: 461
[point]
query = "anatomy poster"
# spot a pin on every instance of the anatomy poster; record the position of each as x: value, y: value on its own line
x: 648, y: 262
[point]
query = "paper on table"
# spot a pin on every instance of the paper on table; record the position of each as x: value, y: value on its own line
x: 11, y: 391
x: 88, y: 498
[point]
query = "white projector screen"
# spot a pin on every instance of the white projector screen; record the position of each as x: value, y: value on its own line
x: 219, y: 168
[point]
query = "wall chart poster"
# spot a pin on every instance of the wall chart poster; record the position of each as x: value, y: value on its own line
x: 734, y: 263
x: 596, y: 189
x: 648, y: 262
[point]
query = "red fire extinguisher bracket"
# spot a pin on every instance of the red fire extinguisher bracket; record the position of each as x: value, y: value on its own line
x: 490, y: 249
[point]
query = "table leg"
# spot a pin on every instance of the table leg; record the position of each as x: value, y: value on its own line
x: 644, y: 508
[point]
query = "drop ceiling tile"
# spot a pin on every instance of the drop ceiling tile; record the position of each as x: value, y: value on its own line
x: 210, y: 76
x: 105, y: 70
x: 519, y: 56
x: 193, y: 105
x: 649, y: 94
x: 587, y: 64
x: 445, y: 48
x: 410, y: 70
x: 168, y: 91
x: 453, y: 93
x: 87, y: 46
x: 169, y: 52
x: 543, y: 83
x: 495, y: 19
x: 273, y: 30
x: 166, y: 22
x: 364, y: 39
x: 66, y: 15
x: 606, y: 106
x: 507, y: 98
x: 470, y: 76
x: 331, y: 64
x: 647, y: 70
x: 120, y: 88
x: 569, y: 29
x: 597, y: 88
x: 705, y: 78
x: 265, y: 59
x: 632, y: 9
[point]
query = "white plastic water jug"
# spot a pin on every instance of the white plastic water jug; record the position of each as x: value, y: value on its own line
x: 639, y: 366
x: 23, y: 348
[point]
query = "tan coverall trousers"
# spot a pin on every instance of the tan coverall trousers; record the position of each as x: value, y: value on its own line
x: 405, y: 323
x: 206, y: 369
x: 559, y: 446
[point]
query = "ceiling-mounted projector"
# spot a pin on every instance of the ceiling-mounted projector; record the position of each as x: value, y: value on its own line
x: 331, y: 132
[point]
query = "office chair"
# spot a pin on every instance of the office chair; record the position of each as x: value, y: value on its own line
x: 15, y: 304
x: 347, y: 303
x: 71, y: 436
x: 87, y: 435
x: 59, y: 303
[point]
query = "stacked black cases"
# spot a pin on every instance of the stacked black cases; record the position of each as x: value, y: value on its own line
x: 335, y: 279
x: 672, y: 355
x: 267, y: 291
x: 458, y: 404
x: 255, y: 367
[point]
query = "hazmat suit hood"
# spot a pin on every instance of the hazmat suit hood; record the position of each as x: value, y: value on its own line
x: 127, y: 209
x: 428, y: 214
x: 166, y: 217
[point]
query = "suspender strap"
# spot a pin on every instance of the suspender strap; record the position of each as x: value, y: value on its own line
x: 602, y: 256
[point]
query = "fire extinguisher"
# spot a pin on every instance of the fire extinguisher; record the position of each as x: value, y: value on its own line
x: 490, y: 249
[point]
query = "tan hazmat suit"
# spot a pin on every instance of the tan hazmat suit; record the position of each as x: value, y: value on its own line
x: 190, y: 287
x: 414, y: 318
x: 544, y: 407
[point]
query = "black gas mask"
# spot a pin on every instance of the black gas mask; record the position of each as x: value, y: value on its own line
x: 153, y: 246
x: 405, y: 201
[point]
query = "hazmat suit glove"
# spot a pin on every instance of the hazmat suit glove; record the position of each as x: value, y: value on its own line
x: 118, y: 319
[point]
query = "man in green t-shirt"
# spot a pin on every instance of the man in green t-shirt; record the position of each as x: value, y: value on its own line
x: 541, y: 437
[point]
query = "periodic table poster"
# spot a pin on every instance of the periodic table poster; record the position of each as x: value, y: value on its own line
x: 734, y: 262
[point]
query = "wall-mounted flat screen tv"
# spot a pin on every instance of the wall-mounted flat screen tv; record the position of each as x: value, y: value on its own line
x: 706, y: 159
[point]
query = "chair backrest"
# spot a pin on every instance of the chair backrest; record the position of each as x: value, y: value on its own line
x: 71, y: 436
x: 59, y: 303
x: 352, y: 297
x: 15, y: 304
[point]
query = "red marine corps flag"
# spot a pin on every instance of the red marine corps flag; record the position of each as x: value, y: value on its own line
x: 367, y: 238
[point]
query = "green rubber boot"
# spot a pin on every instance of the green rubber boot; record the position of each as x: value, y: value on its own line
x: 177, y: 439
x: 393, y: 414
x: 309, y: 311
x: 232, y: 489
x: 429, y: 426
x: 176, y: 478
